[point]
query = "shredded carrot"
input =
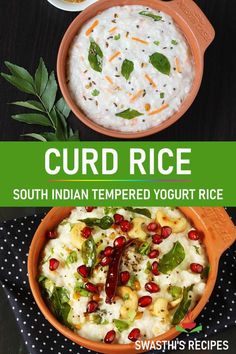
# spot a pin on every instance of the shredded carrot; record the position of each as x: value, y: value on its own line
x: 177, y: 64
x: 112, y: 29
x: 114, y: 56
x: 164, y: 106
x: 136, y: 96
x: 91, y: 28
x: 139, y: 40
x: 147, y: 107
x: 150, y: 80
x: 109, y: 79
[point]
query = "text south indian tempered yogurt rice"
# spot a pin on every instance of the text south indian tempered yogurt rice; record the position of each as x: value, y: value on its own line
x: 130, y: 68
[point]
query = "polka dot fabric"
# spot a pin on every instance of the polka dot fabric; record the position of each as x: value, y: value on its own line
x: 41, y: 337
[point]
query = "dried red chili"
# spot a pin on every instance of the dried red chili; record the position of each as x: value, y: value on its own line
x: 113, y: 272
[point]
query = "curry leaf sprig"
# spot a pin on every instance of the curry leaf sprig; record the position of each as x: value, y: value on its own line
x: 46, y: 110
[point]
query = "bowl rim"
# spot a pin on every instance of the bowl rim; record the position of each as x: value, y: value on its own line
x: 72, y: 7
x: 196, y: 215
x: 193, y: 41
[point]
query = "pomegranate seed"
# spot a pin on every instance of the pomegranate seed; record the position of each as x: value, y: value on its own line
x: 124, y: 277
x: 119, y: 242
x: 110, y: 337
x: 157, y: 239
x: 153, y: 254
x: 152, y: 287
x: 89, y: 209
x: 86, y: 232
x: 92, y: 306
x: 118, y: 218
x: 105, y: 261
x: 108, y: 251
x: 166, y: 231
x: 196, y: 268
x: 125, y: 226
x: 52, y: 234
x: 83, y: 271
x: 145, y: 301
x: 134, y: 335
x: 155, y: 270
x: 193, y: 235
x: 91, y: 287
x: 53, y: 264
x: 152, y: 226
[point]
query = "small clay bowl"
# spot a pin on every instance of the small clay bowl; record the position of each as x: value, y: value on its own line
x: 218, y: 232
x: 193, y: 23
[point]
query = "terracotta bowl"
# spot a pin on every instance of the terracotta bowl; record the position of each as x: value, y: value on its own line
x: 196, y: 28
x: 214, y: 223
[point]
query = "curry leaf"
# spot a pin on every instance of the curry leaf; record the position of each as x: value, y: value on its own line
x: 160, y: 62
x: 59, y: 304
x: 172, y: 259
x: 19, y: 72
x: 183, y: 307
x: 142, y: 211
x: 51, y: 113
x: 62, y: 107
x: 36, y: 136
x: 19, y: 83
x: 129, y: 114
x: 127, y: 68
x: 37, y: 106
x: 74, y: 136
x: 58, y: 300
x: 33, y: 118
x: 104, y: 223
x: 95, y: 56
x: 88, y: 252
x: 49, y: 136
x: 41, y: 77
x: 50, y: 92
x: 150, y: 14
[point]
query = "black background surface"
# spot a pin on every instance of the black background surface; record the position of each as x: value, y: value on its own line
x: 33, y: 28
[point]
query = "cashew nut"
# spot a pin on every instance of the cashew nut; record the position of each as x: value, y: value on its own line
x: 137, y: 230
x: 130, y: 305
x: 160, y: 309
x: 76, y: 239
x: 177, y: 224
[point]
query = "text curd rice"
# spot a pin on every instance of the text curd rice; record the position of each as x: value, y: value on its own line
x: 130, y: 68
x: 116, y: 275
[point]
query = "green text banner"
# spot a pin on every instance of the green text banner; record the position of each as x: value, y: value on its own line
x: 118, y: 173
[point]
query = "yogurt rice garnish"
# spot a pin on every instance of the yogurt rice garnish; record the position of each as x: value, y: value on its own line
x: 119, y: 274
x: 130, y: 68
